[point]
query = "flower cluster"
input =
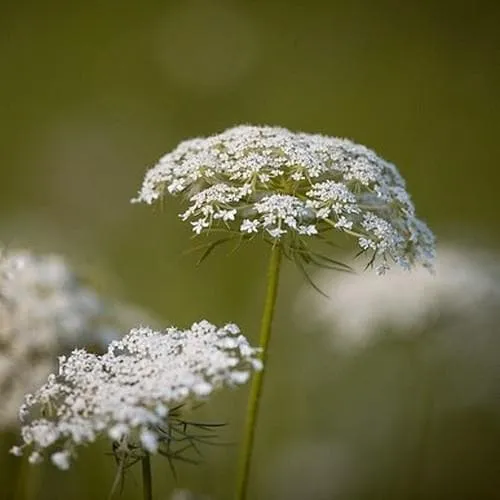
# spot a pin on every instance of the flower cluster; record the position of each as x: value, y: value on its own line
x: 126, y: 393
x: 44, y: 311
x: 289, y: 185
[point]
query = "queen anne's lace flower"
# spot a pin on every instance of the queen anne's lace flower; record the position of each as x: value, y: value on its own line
x: 288, y: 185
x: 45, y: 310
x: 126, y: 393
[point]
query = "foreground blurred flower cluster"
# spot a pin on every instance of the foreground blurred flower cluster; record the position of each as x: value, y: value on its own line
x: 126, y: 394
x: 45, y: 310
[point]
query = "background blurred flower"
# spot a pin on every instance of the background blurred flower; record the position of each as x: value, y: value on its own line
x: 448, y: 321
x: 46, y: 310
x: 464, y: 289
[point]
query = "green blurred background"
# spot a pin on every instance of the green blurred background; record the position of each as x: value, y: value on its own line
x: 92, y: 93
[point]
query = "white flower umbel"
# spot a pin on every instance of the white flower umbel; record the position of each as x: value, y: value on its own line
x: 126, y: 393
x: 465, y: 287
x: 45, y: 310
x: 287, y: 185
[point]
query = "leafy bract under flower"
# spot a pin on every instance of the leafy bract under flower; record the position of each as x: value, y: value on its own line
x: 288, y: 185
x: 126, y: 393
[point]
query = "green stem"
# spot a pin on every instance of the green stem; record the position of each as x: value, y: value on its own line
x: 258, y: 379
x: 147, y: 486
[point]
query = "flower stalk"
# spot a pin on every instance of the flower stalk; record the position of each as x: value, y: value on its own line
x: 258, y: 379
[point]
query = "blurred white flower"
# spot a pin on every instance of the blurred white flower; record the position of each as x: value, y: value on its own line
x: 126, y: 393
x: 45, y: 310
x: 291, y: 186
x: 464, y: 287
